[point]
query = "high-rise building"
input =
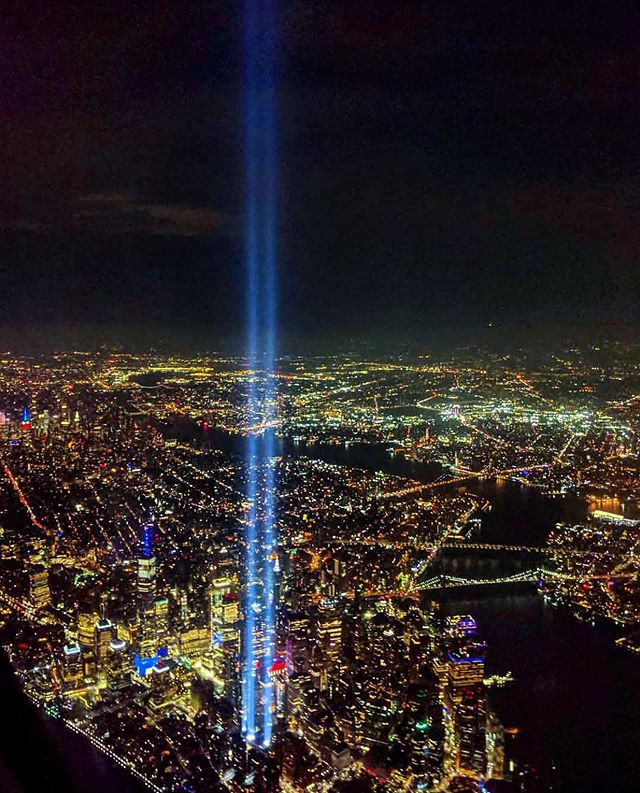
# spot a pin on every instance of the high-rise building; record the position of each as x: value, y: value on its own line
x: 147, y: 633
x: 161, y: 622
x: 72, y: 668
x: 297, y: 643
x: 39, y: 593
x: 165, y: 684
x: 87, y: 621
x: 146, y: 580
x: 329, y: 631
x: 464, y: 671
x: 495, y: 747
x: 220, y: 589
x: 466, y: 696
x: 89, y: 665
x: 194, y: 642
x: 118, y: 665
x: 470, y: 723
x: 224, y: 633
x: 104, y: 633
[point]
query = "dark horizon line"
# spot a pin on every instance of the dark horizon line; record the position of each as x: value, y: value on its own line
x: 165, y: 340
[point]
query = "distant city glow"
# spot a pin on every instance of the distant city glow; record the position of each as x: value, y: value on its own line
x: 144, y: 616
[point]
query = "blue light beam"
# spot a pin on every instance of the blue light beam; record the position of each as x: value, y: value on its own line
x: 261, y: 330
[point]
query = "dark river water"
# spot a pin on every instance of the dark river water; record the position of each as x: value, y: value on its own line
x: 576, y: 699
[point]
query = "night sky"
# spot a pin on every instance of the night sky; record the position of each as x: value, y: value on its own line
x: 444, y: 167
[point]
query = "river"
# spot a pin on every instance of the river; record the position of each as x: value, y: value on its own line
x: 576, y: 699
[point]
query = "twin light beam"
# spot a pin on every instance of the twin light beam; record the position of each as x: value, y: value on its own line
x: 260, y: 257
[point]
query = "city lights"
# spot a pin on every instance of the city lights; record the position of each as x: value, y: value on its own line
x: 194, y: 574
x: 320, y: 397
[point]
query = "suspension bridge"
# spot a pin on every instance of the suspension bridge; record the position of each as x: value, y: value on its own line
x: 431, y: 546
x: 533, y: 575
x: 464, y: 476
x: 445, y: 581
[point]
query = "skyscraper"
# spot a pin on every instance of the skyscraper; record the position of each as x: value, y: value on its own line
x: 39, y: 587
x: 146, y: 595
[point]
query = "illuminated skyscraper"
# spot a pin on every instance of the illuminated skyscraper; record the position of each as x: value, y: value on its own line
x: 87, y: 621
x: 104, y: 635
x: 329, y: 631
x: 72, y: 671
x: 466, y: 695
x: 161, y: 622
x: 146, y: 581
x: 39, y: 587
x: 146, y: 595
x: 219, y: 590
x: 118, y: 665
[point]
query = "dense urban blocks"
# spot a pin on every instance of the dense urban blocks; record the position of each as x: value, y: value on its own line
x: 407, y: 495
